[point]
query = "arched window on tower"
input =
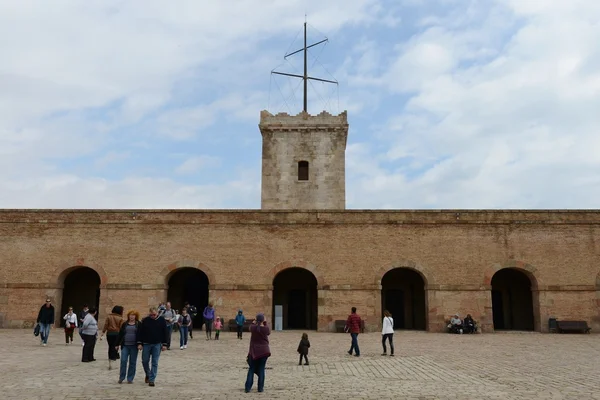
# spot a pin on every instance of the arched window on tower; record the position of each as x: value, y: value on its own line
x: 302, y: 170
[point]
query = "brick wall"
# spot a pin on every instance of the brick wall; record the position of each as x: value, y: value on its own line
x: 456, y: 252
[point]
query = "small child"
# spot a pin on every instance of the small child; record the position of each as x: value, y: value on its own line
x: 218, y: 325
x: 303, y: 349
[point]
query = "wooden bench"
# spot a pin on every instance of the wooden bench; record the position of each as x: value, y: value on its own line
x: 572, y: 326
x: 232, y: 325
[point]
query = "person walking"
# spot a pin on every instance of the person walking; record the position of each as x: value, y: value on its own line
x: 152, y: 339
x: 89, y: 331
x: 45, y: 319
x: 112, y: 327
x: 239, y: 321
x: 353, y: 324
x: 387, y: 333
x: 303, y: 347
x: 218, y: 327
x: 70, y: 325
x: 169, y: 316
x: 127, y: 339
x: 258, y: 352
x: 185, y: 320
x: 209, y: 317
x: 192, y: 312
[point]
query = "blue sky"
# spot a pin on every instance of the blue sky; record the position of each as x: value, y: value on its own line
x: 451, y: 103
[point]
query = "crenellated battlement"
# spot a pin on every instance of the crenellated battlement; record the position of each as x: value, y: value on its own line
x: 303, y: 120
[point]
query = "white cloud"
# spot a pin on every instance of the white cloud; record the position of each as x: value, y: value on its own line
x: 195, y: 164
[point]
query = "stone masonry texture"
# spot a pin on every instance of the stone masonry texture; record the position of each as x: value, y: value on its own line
x: 456, y: 252
x: 321, y: 141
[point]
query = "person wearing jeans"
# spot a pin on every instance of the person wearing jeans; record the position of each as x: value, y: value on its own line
x: 127, y: 339
x: 258, y: 353
x: 387, y: 333
x: 353, y: 323
x: 209, y: 317
x: 152, y: 339
x: 184, y: 323
x: 46, y: 320
x: 169, y: 316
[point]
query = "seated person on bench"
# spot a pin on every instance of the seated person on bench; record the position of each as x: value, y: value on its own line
x: 469, y: 324
x: 456, y: 325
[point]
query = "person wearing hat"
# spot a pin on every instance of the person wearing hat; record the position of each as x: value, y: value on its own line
x: 239, y: 320
x: 258, y: 352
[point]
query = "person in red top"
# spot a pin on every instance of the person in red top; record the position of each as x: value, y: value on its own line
x: 353, y: 324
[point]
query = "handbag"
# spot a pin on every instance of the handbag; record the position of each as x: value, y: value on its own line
x: 36, y: 330
x: 346, y: 328
x: 68, y: 325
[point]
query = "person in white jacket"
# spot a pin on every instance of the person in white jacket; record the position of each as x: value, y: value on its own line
x: 70, y: 325
x: 387, y: 332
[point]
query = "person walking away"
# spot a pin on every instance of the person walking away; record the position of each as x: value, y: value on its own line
x: 152, y: 339
x: 387, y: 333
x: 127, y: 339
x: 240, y: 320
x: 258, y: 352
x: 209, y: 316
x: 353, y: 324
x: 81, y: 317
x: 112, y: 327
x: 46, y: 320
x: 169, y: 316
x: 89, y: 331
x: 303, y: 349
x: 218, y: 327
x: 70, y: 325
x: 185, y: 321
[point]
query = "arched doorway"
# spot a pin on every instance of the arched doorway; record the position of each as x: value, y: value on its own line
x: 512, y: 300
x: 296, y: 290
x: 81, y: 286
x: 191, y: 285
x: 403, y: 295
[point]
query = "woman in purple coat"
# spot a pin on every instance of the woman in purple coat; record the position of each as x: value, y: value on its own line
x: 258, y: 353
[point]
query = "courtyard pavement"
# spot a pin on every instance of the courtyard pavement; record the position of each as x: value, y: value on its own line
x: 426, y: 366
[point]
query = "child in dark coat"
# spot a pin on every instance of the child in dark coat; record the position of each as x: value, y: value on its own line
x: 303, y: 349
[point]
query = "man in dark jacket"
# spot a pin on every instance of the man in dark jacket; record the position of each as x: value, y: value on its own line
x: 152, y: 338
x: 353, y: 324
x: 46, y: 320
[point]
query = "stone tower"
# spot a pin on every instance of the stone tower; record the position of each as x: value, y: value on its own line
x: 303, y: 161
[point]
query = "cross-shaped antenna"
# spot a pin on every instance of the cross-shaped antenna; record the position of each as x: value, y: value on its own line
x: 305, y: 77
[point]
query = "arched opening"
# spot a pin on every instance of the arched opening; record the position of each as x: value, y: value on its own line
x: 191, y: 285
x: 81, y: 286
x: 302, y: 170
x: 403, y: 295
x: 512, y: 300
x: 295, y: 289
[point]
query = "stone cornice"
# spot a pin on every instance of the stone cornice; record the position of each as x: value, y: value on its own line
x: 397, y: 218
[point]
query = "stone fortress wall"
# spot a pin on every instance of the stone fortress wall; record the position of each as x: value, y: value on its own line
x: 136, y: 253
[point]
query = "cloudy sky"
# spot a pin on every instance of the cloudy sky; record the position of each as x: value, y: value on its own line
x: 153, y: 104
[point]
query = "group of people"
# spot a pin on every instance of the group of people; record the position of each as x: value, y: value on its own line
x: 459, y: 326
x: 152, y: 335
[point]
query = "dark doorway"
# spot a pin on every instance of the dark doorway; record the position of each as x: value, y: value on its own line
x: 191, y: 285
x: 296, y: 290
x: 512, y: 301
x: 403, y: 295
x: 81, y: 287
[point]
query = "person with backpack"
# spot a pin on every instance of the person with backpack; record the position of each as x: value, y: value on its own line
x: 387, y: 333
x: 185, y: 320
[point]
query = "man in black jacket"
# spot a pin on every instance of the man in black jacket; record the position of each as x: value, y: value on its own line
x: 152, y: 338
x: 46, y: 320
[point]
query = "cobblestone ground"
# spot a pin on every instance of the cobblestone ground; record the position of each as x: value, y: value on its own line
x: 426, y: 366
